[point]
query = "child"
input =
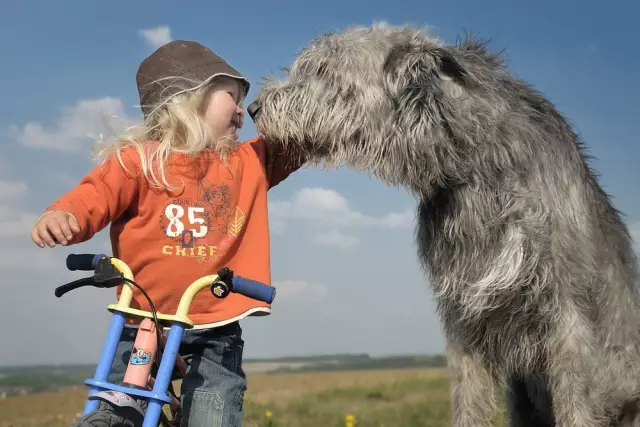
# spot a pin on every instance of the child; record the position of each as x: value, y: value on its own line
x: 184, y: 199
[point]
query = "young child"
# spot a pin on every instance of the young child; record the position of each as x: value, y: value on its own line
x: 184, y: 199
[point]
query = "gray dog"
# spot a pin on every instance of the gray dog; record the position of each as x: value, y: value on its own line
x: 533, y: 268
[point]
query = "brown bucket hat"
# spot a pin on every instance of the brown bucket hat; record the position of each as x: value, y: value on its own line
x: 179, y: 66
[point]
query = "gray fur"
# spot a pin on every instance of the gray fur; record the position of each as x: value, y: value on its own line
x: 532, y: 266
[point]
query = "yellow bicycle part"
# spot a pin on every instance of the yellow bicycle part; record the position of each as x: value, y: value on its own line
x: 181, y: 315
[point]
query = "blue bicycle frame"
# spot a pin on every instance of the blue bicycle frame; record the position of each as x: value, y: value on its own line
x: 118, y: 272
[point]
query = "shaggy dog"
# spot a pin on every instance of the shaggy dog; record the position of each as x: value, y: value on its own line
x: 533, y: 268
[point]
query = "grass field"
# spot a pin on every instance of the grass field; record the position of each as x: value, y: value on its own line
x: 381, y: 398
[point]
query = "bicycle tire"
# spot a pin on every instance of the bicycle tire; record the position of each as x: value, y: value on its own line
x: 103, y: 418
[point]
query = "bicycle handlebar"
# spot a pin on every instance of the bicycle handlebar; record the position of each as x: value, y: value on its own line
x: 253, y: 289
x: 85, y: 262
x: 219, y: 288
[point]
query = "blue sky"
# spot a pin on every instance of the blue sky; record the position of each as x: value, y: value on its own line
x: 331, y: 271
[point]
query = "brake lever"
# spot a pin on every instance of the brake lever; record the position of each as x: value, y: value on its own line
x: 68, y: 287
x: 105, y: 276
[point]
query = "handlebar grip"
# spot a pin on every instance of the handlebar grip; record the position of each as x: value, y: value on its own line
x: 61, y: 290
x: 253, y: 289
x: 84, y: 262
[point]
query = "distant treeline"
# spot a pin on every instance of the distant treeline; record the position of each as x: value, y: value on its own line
x: 368, y: 363
x: 30, y: 379
x: 312, y: 358
x: 45, y: 369
x: 42, y: 378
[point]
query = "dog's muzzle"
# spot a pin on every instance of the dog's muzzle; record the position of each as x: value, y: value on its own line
x: 254, y: 110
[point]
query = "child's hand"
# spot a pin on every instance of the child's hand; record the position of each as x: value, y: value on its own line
x: 54, y: 227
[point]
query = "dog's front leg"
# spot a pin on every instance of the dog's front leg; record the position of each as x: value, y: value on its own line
x: 571, y: 365
x: 473, y: 388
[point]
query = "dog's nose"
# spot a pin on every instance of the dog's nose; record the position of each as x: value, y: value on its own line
x: 254, y: 110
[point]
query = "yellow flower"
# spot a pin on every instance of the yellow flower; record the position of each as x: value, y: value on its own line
x: 350, y: 420
x: 268, y: 414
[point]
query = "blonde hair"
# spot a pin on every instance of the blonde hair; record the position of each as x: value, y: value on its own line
x: 176, y: 125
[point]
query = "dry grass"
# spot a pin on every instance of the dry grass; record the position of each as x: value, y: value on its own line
x: 393, y: 398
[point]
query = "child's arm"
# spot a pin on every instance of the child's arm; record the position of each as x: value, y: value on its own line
x: 102, y: 196
x: 278, y: 162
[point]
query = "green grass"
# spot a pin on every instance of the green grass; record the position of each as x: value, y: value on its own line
x: 413, y: 402
x: 380, y: 398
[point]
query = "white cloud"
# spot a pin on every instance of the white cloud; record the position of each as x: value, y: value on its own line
x: 276, y: 226
x: 30, y: 259
x: 12, y: 190
x: 299, y: 290
x: 399, y: 220
x: 327, y: 208
x: 157, y: 36
x: 80, y: 123
x: 337, y: 239
x: 62, y: 179
x: 13, y: 221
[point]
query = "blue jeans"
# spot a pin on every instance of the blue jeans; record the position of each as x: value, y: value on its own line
x: 212, y: 391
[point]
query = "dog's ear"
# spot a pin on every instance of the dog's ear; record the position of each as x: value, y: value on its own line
x: 449, y: 67
x: 409, y: 65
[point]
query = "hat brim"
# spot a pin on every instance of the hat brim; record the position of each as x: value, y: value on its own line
x: 246, y: 84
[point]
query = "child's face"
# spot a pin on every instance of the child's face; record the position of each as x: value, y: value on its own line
x: 222, y: 110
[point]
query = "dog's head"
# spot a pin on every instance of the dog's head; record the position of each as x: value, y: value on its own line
x: 377, y: 98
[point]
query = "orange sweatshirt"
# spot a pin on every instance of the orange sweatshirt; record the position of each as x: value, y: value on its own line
x: 223, y: 207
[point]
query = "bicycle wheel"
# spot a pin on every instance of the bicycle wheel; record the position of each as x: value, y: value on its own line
x: 103, y: 418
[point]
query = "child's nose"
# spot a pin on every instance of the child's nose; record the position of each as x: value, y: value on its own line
x: 240, y: 113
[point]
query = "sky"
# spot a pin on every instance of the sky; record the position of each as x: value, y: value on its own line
x: 344, y: 284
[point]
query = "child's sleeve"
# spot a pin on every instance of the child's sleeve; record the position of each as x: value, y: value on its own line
x: 277, y: 161
x: 102, y: 195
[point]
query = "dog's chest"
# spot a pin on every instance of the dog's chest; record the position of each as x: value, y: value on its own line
x: 507, y: 332
x: 492, y: 291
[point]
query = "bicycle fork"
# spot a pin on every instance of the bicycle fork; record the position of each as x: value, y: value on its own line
x: 137, y: 374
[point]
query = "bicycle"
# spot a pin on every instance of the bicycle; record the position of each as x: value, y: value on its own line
x: 122, y: 405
